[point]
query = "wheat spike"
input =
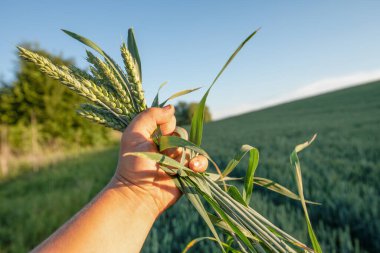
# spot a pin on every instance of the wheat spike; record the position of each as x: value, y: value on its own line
x: 85, y: 87
x: 81, y: 74
x: 107, y: 74
x: 134, y: 78
x: 101, y: 116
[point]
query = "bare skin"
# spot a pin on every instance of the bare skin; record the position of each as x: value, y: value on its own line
x: 119, y: 218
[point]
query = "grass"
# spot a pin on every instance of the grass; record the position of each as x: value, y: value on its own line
x: 19, y: 164
x: 33, y: 205
x: 341, y: 171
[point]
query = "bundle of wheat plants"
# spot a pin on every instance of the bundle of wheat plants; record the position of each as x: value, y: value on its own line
x: 116, y: 96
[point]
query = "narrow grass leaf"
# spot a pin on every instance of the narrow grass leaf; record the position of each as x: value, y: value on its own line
x: 273, y: 186
x: 199, y: 182
x: 249, y: 179
x: 216, y: 177
x: 194, y: 199
x: 227, y: 219
x: 132, y: 47
x: 236, y: 160
x: 110, y: 61
x: 175, y: 141
x: 197, y: 240
x: 156, y: 102
x: 294, y: 161
x: 161, y: 159
x: 178, y: 94
x: 235, y: 194
x: 223, y: 225
x: 196, y: 130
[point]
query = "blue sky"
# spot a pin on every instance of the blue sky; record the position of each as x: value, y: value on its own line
x: 303, y: 48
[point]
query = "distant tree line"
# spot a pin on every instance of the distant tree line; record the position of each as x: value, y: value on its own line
x: 37, y: 111
x: 184, y: 113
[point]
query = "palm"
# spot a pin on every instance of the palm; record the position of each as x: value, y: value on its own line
x: 145, y: 173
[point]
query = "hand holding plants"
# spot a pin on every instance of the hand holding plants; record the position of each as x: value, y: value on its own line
x: 148, y: 180
x: 144, y: 175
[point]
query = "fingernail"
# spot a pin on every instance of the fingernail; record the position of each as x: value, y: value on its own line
x: 167, y: 107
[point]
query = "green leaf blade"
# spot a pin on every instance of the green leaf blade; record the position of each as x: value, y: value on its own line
x: 192, y: 196
x: 132, y: 47
x: 276, y: 187
x: 196, y: 130
x: 249, y: 177
x: 236, y: 160
x: 178, y: 94
x: 294, y: 161
x: 156, y: 102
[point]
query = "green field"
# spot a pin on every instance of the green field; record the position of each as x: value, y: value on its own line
x: 341, y: 170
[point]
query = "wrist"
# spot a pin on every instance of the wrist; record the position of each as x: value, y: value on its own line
x: 134, y: 196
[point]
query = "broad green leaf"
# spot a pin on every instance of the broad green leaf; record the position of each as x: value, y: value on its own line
x: 156, y: 102
x: 236, y: 160
x: 196, y: 240
x: 249, y: 179
x: 132, y: 47
x: 235, y: 194
x: 197, y: 121
x: 193, y: 197
x: 273, y: 186
x: 294, y: 161
x: 109, y: 60
x: 178, y: 94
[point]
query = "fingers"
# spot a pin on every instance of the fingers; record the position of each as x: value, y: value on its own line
x: 146, y: 122
x: 173, y: 152
x: 168, y: 127
x: 198, y: 163
x: 181, y: 132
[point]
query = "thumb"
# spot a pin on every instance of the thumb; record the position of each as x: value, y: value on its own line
x: 146, y: 122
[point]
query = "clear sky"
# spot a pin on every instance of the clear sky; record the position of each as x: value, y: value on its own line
x: 303, y: 48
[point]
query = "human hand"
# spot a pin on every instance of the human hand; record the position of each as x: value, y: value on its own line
x: 143, y: 175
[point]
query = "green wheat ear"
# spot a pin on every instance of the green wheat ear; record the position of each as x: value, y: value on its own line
x: 134, y: 78
x: 101, y: 116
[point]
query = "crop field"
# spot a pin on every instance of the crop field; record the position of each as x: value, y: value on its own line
x: 340, y: 169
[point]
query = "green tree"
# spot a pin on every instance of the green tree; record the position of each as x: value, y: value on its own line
x: 184, y: 112
x: 35, y: 100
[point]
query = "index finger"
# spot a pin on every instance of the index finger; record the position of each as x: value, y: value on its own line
x: 147, y: 122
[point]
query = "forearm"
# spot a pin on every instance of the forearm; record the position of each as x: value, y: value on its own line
x: 117, y: 220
